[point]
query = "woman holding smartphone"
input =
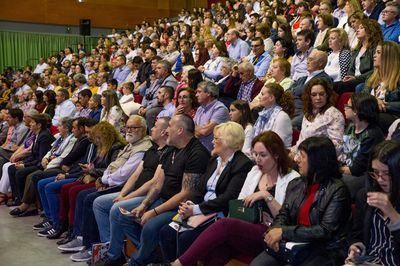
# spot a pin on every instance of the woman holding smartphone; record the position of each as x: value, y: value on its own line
x: 376, y: 238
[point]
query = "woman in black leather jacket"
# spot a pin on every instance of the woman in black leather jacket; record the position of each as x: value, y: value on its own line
x: 316, y: 209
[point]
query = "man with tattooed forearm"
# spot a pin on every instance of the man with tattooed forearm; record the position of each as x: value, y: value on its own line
x: 175, y: 180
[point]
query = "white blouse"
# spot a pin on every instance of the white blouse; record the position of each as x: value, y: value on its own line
x: 329, y: 124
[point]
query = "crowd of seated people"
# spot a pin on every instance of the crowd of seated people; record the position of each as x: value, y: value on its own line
x: 172, y: 123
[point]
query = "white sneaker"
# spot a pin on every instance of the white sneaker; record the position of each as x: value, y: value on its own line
x: 82, y: 256
x: 75, y: 245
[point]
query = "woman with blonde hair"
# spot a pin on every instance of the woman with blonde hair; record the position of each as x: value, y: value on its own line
x: 369, y: 35
x: 384, y: 83
x: 340, y: 55
x: 112, y: 111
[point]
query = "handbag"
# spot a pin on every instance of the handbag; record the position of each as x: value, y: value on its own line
x: 251, y: 214
x: 195, y: 221
x: 293, y: 253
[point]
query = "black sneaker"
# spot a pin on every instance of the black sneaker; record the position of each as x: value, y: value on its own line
x: 56, y: 234
x: 67, y: 238
x: 43, y: 225
x: 47, y: 231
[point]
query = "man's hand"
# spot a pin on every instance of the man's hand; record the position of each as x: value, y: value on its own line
x: 139, y: 210
x: 99, y: 185
x: 60, y: 177
x: 147, y: 216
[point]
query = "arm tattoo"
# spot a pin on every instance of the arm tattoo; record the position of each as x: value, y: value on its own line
x: 151, y: 196
x: 191, y: 181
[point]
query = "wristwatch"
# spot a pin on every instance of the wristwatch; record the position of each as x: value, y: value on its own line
x: 269, y: 198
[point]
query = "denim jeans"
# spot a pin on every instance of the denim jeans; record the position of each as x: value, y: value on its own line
x: 101, y: 208
x: 49, y: 191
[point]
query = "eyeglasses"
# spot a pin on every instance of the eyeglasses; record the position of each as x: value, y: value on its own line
x: 132, y: 128
x: 348, y: 106
x: 184, y: 97
x: 375, y: 174
x: 389, y: 11
x: 255, y: 45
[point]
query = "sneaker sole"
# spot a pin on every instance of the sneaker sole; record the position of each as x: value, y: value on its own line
x: 41, y: 235
x: 80, y: 260
x: 74, y: 249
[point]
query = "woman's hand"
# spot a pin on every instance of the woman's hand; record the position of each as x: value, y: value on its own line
x: 381, y: 105
x: 249, y: 200
x: 348, y: 78
x: 185, y: 210
x: 382, y: 202
x: 179, y: 110
x: 354, y: 252
x: 19, y: 166
x: 273, y: 237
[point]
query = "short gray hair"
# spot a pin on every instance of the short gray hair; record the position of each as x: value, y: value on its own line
x: 67, y: 123
x: 230, y: 62
x: 210, y: 87
x: 142, y: 121
x: 247, y: 66
x: 80, y: 78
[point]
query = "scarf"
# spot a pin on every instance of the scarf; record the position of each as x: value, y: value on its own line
x: 266, y: 119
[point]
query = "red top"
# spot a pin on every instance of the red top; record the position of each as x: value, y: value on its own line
x: 304, y: 217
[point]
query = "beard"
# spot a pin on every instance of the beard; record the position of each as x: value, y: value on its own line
x: 131, y: 138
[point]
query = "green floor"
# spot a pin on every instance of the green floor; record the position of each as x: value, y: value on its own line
x: 20, y: 246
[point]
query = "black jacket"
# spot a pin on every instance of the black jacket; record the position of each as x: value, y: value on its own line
x: 229, y: 183
x: 77, y: 152
x: 101, y: 164
x: 329, y: 214
x: 39, y: 149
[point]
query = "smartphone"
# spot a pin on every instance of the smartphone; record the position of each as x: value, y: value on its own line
x: 125, y: 212
x: 128, y: 213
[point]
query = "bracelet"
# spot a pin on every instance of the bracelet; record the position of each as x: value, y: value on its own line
x: 155, y: 211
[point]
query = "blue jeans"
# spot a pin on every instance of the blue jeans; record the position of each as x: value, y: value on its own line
x: 149, y: 239
x: 121, y: 225
x: 101, y: 208
x: 49, y: 191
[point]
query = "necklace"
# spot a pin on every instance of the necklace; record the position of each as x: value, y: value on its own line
x: 175, y: 155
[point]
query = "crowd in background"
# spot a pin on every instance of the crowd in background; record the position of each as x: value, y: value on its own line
x: 290, y: 104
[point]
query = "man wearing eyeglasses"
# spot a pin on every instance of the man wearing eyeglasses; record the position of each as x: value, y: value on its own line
x: 259, y: 58
x: 110, y: 181
x: 391, y: 28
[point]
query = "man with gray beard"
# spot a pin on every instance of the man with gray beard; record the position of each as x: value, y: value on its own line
x: 116, y: 174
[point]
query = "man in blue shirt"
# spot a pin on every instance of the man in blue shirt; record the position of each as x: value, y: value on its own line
x: 391, y: 28
x: 259, y: 58
x: 121, y: 70
x: 238, y: 48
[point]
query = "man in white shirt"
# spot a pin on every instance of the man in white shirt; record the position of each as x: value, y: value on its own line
x: 41, y: 66
x: 64, y: 107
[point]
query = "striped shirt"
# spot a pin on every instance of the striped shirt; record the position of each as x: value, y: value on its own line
x: 381, y: 245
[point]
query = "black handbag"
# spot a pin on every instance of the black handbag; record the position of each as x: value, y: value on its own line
x: 251, y: 214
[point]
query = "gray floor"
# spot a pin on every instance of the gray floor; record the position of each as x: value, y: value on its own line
x: 19, y: 245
